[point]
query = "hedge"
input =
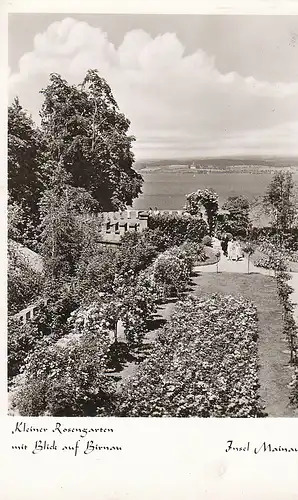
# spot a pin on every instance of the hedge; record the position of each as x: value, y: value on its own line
x: 204, y: 364
x: 179, y: 228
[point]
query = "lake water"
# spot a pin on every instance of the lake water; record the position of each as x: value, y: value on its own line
x: 167, y: 190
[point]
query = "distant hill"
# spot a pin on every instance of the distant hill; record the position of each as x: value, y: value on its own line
x: 216, y: 163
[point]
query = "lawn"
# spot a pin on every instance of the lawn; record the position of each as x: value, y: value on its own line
x: 275, y: 373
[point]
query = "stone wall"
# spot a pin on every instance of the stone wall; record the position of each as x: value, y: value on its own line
x: 116, y: 224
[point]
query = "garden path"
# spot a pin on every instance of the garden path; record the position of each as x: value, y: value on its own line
x: 232, y: 266
x: 275, y: 371
x: 272, y: 348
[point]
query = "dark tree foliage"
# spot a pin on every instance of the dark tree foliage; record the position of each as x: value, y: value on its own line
x: 280, y: 204
x: 137, y: 252
x: 237, y: 221
x: 88, y: 135
x: 178, y: 228
x: 60, y: 229
x: 27, y: 175
x: 23, y: 284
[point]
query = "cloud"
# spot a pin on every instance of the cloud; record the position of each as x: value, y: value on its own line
x: 176, y: 102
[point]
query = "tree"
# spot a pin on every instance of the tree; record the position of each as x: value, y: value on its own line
x: 60, y: 231
x: 237, y: 221
x: 279, y: 203
x: 207, y: 199
x: 87, y: 134
x: 26, y: 173
x: 15, y: 221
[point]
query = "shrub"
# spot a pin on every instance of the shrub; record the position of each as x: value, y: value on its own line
x: 207, y: 241
x: 294, y: 388
x: 171, y: 271
x: 137, y: 299
x: 66, y: 380
x: 290, y: 328
x: 136, y: 253
x: 271, y: 257
x: 95, y: 273
x: 21, y: 340
x: 50, y: 322
x: 196, y: 251
x: 204, y: 364
x: 24, y: 283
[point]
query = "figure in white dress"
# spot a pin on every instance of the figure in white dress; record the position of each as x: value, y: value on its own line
x: 230, y: 249
x: 239, y: 253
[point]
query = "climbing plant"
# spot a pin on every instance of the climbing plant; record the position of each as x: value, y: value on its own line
x: 208, y: 199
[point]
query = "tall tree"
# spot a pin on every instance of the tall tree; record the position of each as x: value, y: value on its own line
x: 60, y: 232
x: 280, y: 204
x: 88, y: 135
x: 26, y: 173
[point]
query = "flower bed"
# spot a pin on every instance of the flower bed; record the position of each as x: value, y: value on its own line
x: 204, y: 363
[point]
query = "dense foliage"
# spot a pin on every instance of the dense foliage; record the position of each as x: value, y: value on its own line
x: 21, y: 340
x: 137, y: 251
x: 66, y: 379
x: 294, y: 388
x: 24, y: 283
x: 270, y: 256
x: 176, y: 228
x: 204, y: 363
x: 88, y: 135
x: 208, y: 199
x: 27, y: 172
x: 290, y: 328
x: 237, y: 220
x: 280, y: 204
x: 171, y: 271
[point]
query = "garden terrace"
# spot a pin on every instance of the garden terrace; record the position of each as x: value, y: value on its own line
x: 275, y: 373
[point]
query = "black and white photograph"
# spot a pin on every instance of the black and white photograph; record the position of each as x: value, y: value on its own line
x: 152, y: 215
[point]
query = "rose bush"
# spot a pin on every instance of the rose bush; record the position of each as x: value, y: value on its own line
x: 204, y: 364
x: 171, y: 271
x: 67, y: 378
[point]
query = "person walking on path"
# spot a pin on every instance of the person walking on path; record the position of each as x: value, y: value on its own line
x: 224, y: 245
x: 230, y: 249
x: 239, y: 253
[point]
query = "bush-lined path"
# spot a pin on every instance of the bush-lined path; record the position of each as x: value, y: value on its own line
x: 259, y: 287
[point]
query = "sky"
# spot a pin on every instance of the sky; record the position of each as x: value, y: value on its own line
x: 190, y: 85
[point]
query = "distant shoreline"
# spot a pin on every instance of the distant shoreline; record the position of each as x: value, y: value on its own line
x: 237, y: 169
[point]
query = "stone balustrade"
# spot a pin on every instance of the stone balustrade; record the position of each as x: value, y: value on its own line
x: 30, y: 311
